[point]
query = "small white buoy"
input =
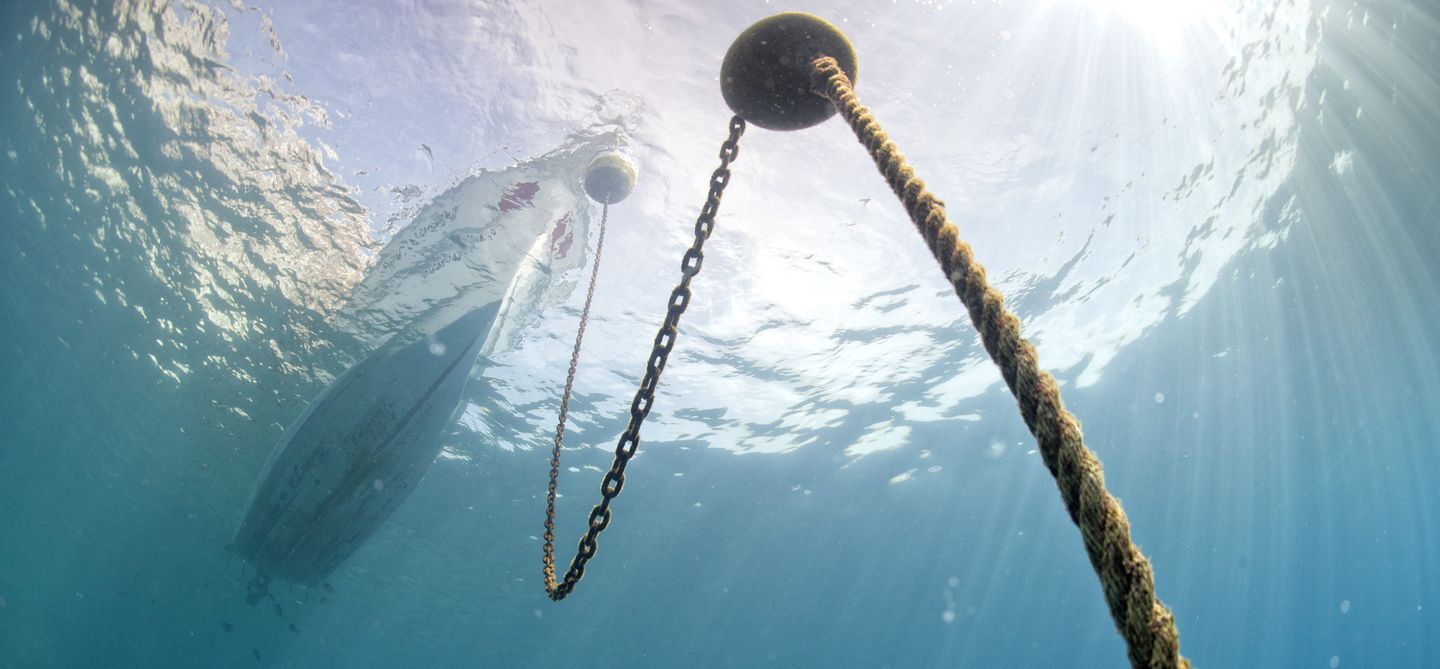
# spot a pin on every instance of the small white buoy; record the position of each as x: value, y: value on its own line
x: 610, y: 177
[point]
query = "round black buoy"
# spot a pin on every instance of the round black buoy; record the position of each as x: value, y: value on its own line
x: 766, y: 74
x: 609, y: 178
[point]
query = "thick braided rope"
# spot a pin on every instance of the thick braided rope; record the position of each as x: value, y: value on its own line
x: 1147, y: 626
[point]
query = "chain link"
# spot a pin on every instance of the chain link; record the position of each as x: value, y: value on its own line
x: 565, y: 404
x: 614, y: 479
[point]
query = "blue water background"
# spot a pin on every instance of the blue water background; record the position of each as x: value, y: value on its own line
x: 1275, y: 449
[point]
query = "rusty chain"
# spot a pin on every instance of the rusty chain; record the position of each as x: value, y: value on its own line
x: 614, y: 480
x: 565, y: 403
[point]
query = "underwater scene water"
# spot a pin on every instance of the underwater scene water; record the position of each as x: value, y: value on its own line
x: 1216, y: 221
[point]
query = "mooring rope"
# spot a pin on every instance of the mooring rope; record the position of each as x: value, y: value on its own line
x: 549, y: 558
x: 1125, y: 574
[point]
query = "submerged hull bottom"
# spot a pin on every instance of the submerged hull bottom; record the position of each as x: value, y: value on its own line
x: 356, y: 453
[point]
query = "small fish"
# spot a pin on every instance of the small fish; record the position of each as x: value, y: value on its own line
x: 294, y: 629
x: 256, y: 653
x: 325, y: 601
x: 226, y: 626
x: 279, y: 611
x: 328, y: 588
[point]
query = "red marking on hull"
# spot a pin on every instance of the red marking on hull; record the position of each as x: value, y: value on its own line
x: 518, y: 196
x: 562, y: 238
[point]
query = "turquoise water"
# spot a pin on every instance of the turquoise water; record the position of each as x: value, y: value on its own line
x: 1219, y: 228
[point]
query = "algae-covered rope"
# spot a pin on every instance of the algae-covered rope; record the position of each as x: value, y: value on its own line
x: 549, y: 558
x: 1125, y: 574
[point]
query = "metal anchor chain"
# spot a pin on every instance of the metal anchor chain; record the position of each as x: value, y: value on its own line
x: 565, y: 405
x: 614, y: 480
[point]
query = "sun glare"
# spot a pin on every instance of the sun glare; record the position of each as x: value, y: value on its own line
x: 1159, y: 20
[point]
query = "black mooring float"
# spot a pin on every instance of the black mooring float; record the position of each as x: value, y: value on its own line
x: 766, y: 74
